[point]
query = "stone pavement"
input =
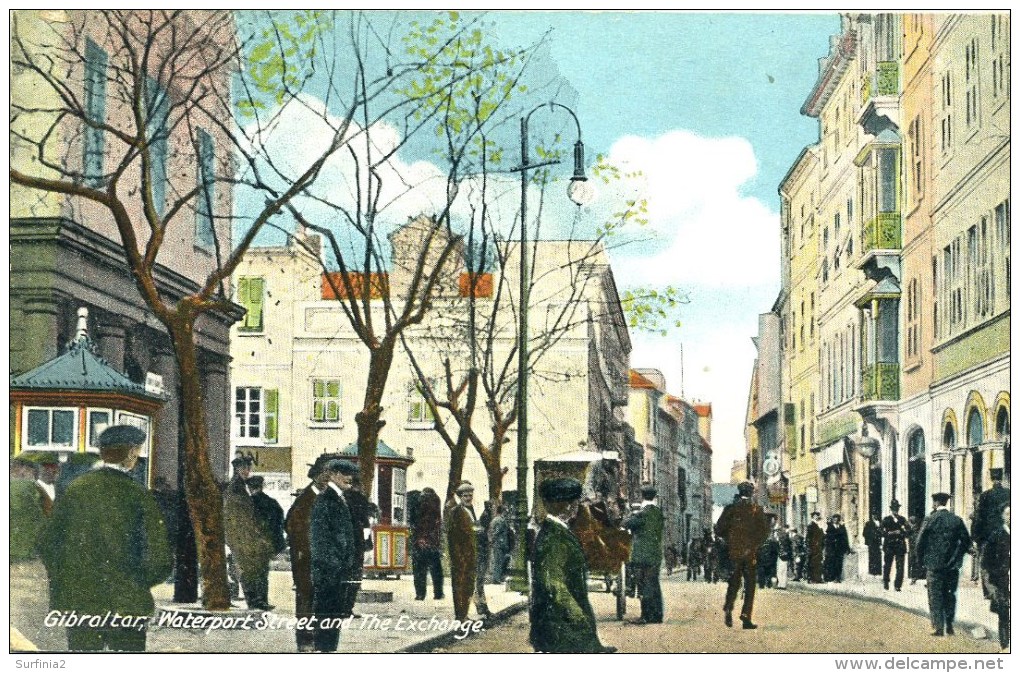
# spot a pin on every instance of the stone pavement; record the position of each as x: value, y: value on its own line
x: 412, y: 625
x: 972, y: 611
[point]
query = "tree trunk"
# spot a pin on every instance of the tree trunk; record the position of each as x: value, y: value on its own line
x: 458, y: 454
x: 494, y: 467
x: 205, y: 502
x: 369, y: 419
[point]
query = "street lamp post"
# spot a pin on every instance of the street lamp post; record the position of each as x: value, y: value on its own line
x: 580, y: 193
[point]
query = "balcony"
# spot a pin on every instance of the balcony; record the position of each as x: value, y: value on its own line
x: 881, y: 382
x: 880, y: 104
x: 884, y: 232
x: 885, y: 81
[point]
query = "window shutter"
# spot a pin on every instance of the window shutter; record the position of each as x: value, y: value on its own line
x: 272, y: 411
x: 157, y: 106
x: 204, y: 234
x: 253, y: 303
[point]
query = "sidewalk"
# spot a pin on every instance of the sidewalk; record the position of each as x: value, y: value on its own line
x: 971, y: 607
x: 398, y: 626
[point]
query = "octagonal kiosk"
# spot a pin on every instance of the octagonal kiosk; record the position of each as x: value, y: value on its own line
x: 390, y: 532
x: 63, y: 405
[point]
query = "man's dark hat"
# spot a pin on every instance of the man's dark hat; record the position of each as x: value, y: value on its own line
x: 255, y: 482
x: 121, y: 435
x: 996, y: 473
x: 316, y: 468
x: 242, y: 460
x: 341, y: 466
x: 745, y: 489
x: 648, y: 491
x: 940, y: 498
x: 895, y: 504
x: 560, y: 490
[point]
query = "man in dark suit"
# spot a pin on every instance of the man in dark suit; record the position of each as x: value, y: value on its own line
x: 299, y: 530
x: 269, y: 514
x: 333, y: 554
x: 744, y: 526
x: 815, y: 547
x: 873, y: 541
x: 988, y: 514
x: 895, y: 532
x: 942, y: 544
x: 837, y: 546
x: 562, y: 619
x: 362, y: 511
x: 105, y: 547
x: 462, y: 539
x: 646, y: 554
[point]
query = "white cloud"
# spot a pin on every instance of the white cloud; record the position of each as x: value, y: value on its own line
x: 705, y: 231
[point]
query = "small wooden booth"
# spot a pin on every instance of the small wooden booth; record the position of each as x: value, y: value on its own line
x: 390, y: 533
x: 63, y: 405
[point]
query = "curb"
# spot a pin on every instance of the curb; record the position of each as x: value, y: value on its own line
x: 967, y: 623
x: 443, y: 639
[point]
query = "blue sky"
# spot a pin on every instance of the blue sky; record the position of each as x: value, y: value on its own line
x: 707, y: 107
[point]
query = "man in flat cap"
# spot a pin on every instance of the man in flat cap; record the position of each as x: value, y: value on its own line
x: 462, y: 539
x: 744, y: 526
x: 562, y: 619
x: 942, y: 544
x: 249, y: 542
x: 299, y: 531
x: 333, y: 553
x: 895, y: 532
x: 105, y: 546
x: 646, y: 554
x: 269, y: 515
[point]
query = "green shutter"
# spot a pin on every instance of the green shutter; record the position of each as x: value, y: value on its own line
x: 272, y: 411
x: 249, y: 295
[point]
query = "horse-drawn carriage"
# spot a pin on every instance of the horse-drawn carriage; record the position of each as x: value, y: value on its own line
x: 597, y: 525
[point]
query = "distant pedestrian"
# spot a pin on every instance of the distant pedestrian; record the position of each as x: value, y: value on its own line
x: 561, y: 616
x: 694, y: 558
x: 916, y: 568
x: 334, y: 558
x: 500, y: 545
x: 670, y: 558
x: 743, y: 526
x: 646, y: 554
x: 942, y: 544
x: 815, y: 548
x: 299, y: 531
x: 710, y: 552
x: 799, y: 545
x: 270, y: 516
x: 995, y: 574
x: 426, y: 545
x: 895, y: 532
x: 105, y: 547
x: 768, y: 560
x: 837, y: 546
x: 873, y: 541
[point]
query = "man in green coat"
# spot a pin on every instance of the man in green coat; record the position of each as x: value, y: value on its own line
x: 562, y: 619
x: 646, y: 554
x: 105, y: 547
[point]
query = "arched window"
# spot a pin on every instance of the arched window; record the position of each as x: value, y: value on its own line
x: 917, y: 475
x: 975, y: 428
x: 949, y: 437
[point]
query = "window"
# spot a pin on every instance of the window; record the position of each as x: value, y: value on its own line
x: 825, y: 271
x: 140, y: 422
x: 1001, y: 217
x: 418, y: 410
x: 250, y: 295
x: 256, y: 412
x: 326, y: 401
x: 50, y: 428
x: 971, y: 79
x: 835, y: 225
x: 916, y: 162
x: 157, y: 109
x: 204, y: 231
x: 95, y: 109
x: 825, y: 238
x: 913, y: 320
x: 981, y: 286
x: 812, y: 331
x: 99, y: 420
x: 947, y: 112
x: 888, y: 179
x: 399, y: 496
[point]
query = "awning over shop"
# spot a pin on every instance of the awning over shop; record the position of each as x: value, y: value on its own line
x: 831, y: 455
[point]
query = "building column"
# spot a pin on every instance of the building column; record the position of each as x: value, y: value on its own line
x: 39, y: 332
x: 113, y: 341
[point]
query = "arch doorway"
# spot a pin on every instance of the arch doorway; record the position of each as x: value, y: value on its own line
x: 975, y: 437
x: 948, y: 445
x: 917, y: 476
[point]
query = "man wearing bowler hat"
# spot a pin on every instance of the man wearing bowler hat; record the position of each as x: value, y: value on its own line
x: 562, y: 619
x: 895, y: 531
x: 646, y: 554
x: 333, y: 553
x: 299, y: 531
x: 942, y: 544
x: 105, y: 547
